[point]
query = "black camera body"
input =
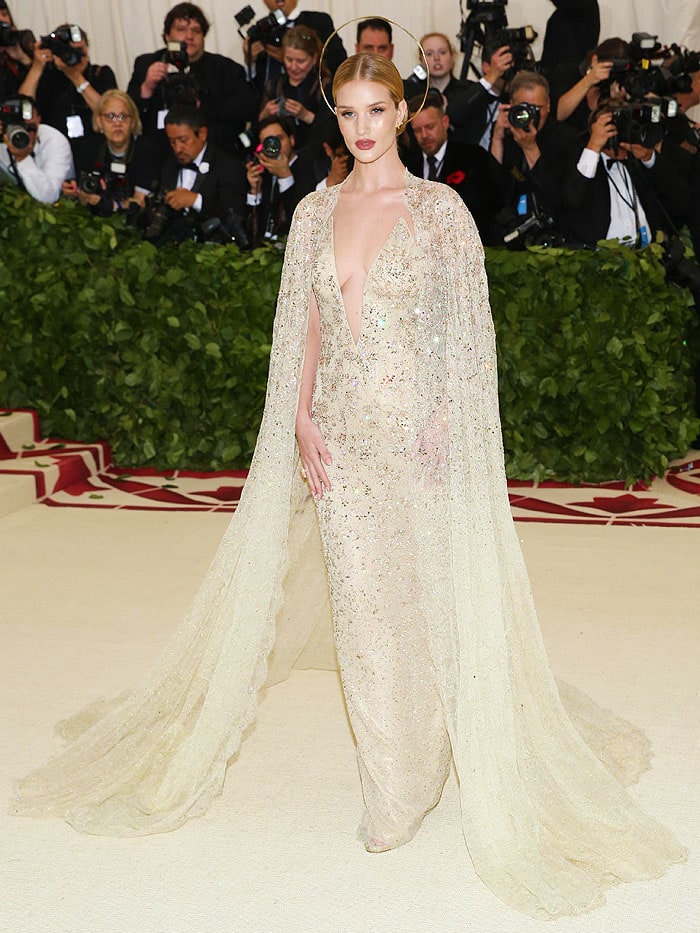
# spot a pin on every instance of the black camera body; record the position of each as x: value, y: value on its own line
x: 59, y: 43
x: 270, y: 30
x: 179, y: 87
x: 9, y: 36
x: 519, y: 40
x: 112, y: 184
x: 639, y: 123
x: 16, y: 116
x: 523, y: 116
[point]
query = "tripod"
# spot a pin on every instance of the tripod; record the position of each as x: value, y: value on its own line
x: 481, y: 24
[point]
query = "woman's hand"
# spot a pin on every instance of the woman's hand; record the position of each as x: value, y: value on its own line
x: 271, y: 109
x: 314, y: 454
x: 299, y: 111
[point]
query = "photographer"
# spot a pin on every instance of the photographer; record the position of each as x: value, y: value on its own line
x: 536, y: 154
x: 278, y: 178
x: 201, y: 181
x: 119, y: 166
x: 263, y: 45
x: 33, y: 156
x: 64, y: 83
x: 168, y: 76
x: 16, y: 51
x: 577, y: 97
x: 296, y: 93
x: 474, y: 110
x: 621, y: 189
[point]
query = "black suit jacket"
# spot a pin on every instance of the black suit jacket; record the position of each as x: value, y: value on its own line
x: 560, y: 148
x: 572, y: 31
x: 468, y: 110
x: 226, y: 97
x: 586, y: 215
x: 471, y: 171
x: 274, y: 213
x: 223, y: 186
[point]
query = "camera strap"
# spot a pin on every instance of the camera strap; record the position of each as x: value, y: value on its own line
x: 12, y: 168
x: 631, y: 200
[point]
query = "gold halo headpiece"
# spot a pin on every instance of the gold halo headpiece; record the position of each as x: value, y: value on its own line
x: 359, y: 19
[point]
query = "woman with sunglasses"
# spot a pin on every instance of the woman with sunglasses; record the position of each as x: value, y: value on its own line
x: 118, y: 165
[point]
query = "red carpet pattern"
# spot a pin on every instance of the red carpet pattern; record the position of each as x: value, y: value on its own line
x: 69, y: 474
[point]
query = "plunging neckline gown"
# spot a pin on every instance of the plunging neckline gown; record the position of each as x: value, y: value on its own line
x: 368, y: 406
x: 435, y: 628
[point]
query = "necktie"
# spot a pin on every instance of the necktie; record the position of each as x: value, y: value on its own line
x: 432, y: 168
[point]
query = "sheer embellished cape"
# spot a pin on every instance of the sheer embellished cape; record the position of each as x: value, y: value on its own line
x: 546, y: 824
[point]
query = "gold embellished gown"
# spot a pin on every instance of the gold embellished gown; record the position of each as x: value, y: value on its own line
x: 434, y: 624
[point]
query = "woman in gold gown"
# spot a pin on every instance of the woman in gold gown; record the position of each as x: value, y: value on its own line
x: 381, y: 430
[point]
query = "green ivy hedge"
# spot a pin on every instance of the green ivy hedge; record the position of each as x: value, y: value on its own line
x: 164, y: 353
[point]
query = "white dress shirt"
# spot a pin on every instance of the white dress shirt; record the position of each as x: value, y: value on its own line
x: 439, y: 159
x: 187, y: 178
x: 44, y: 171
x: 627, y: 217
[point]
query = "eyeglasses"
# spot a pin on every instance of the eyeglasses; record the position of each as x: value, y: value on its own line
x: 117, y: 117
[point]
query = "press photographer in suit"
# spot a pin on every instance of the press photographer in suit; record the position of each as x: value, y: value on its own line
x: 218, y: 83
x: 200, y: 180
x: 621, y: 190
x: 536, y: 154
x: 278, y: 178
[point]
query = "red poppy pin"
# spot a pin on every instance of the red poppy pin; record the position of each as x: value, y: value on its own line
x: 455, y: 178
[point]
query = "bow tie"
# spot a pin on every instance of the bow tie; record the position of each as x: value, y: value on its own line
x: 610, y: 162
x: 192, y: 166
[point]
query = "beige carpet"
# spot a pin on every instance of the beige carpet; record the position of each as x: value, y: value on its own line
x: 87, y: 599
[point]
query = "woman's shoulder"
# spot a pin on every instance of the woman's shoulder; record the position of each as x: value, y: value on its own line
x: 314, y: 208
x: 433, y: 195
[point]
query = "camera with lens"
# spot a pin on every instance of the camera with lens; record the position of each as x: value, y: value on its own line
x: 681, y: 271
x: 59, y: 43
x: 157, y: 222
x: 112, y: 183
x: 271, y: 146
x: 639, y: 123
x: 227, y: 229
x: 16, y: 117
x: 535, y: 228
x: 270, y: 30
x: 523, y: 116
x: 9, y: 36
x: 179, y: 87
x: 519, y: 40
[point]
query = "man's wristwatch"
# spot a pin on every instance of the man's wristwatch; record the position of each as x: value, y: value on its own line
x: 80, y: 88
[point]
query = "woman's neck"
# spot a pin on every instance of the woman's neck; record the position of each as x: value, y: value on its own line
x: 440, y: 83
x: 387, y: 172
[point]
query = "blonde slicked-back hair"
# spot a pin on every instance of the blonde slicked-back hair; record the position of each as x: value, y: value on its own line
x: 366, y: 66
x: 126, y: 102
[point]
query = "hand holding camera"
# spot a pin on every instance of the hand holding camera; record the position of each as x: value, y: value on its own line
x: 603, y: 130
x: 500, y: 64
